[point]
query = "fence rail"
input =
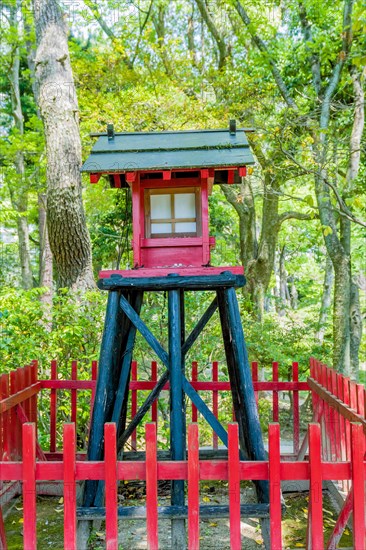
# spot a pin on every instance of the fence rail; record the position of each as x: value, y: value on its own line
x: 20, y: 389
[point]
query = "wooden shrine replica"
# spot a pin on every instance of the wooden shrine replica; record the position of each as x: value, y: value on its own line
x: 170, y: 175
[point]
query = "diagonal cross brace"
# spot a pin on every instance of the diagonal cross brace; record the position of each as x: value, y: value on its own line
x: 164, y: 357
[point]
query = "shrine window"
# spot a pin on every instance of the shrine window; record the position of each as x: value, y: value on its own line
x: 172, y: 212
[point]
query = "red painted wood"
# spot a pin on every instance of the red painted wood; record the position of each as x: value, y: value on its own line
x: 69, y: 446
x: 215, y: 400
x: 110, y: 465
x: 296, y: 415
x: 346, y: 400
x: 194, y: 379
x: 275, y: 486
x: 94, y: 178
x: 316, y: 493
x: 193, y: 488
x: 136, y: 223
x: 334, y: 389
x: 53, y: 411
x: 33, y: 400
x: 154, y: 378
x: 26, y: 384
x: 360, y: 389
x: 342, y: 424
x: 212, y: 386
x: 68, y: 384
x: 29, y: 487
x: 275, y: 393
x: 151, y: 488
x: 5, y: 443
x: 23, y: 419
x: 14, y: 439
x: 13, y: 400
x: 163, y: 272
x: 234, y: 485
x: 332, y: 418
x: 133, y: 403
x: 255, y: 378
x: 358, y: 479
x: 94, y: 378
x: 74, y: 375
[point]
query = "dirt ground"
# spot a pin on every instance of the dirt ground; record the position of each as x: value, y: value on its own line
x: 214, y: 534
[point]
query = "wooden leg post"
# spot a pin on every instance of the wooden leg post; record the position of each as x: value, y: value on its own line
x: 177, y: 410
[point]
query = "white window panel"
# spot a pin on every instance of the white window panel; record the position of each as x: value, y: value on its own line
x: 185, y: 227
x: 185, y: 205
x: 160, y: 206
x: 158, y: 228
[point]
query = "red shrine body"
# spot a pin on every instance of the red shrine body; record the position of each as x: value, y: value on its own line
x: 170, y: 213
x: 181, y: 243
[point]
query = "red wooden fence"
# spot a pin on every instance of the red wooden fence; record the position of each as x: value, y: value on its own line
x: 336, y: 451
x: 17, y: 380
x: 316, y: 469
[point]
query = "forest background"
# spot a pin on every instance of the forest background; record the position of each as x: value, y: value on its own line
x: 293, y: 70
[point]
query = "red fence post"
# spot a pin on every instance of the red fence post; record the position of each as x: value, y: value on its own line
x: 14, y: 440
x: 94, y: 378
x: 133, y: 402
x: 33, y: 405
x: 4, y: 393
x: 194, y: 379
x: 154, y: 378
x: 295, y: 404
x: 274, y: 462
x: 255, y: 378
x: 151, y: 488
x: 275, y: 393
x: 53, y: 411
x: 74, y: 376
x: 69, y: 456
x: 358, y: 479
x: 234, y: 486
x: 215, y: 400
x: 29, y: 486
x: 316, y: 488
x: 193, y: 488
x: 110, y: 465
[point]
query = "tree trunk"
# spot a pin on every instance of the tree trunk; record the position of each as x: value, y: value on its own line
x: 18, y: 188
x: 68, y: 234
x: 45, y: 258
x: 326, y: 299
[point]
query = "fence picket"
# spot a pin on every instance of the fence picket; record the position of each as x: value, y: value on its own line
x: 53, y: 409
x: 295, y: 408
x: 358, y: 478
x: 74, y: 376
x: 29, y: 486
x: 69, y: 456
x: 274, y: 466
x: 234, y: 486
x: 110, y: 472
x: 193, y: 488
x: 215, y: 400
x: 316, y: 488
x: 151, y: 488
x: 275, y: 393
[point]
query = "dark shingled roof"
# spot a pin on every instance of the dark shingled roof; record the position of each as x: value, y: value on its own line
x: 135, y: 151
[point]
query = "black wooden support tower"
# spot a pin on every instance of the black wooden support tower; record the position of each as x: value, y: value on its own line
x: 121, y: 324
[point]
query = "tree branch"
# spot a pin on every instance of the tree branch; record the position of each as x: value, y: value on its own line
x: 223, y: 50
x: 313, y: 57
x: 293, y: 215
x: 263, y: 48
x: 93, y: 6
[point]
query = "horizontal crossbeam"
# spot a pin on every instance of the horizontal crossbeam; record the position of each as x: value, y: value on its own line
x: 173, y: 282
x: 176, y: 512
